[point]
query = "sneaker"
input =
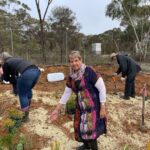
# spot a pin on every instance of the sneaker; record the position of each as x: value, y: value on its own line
x: 125, y: 97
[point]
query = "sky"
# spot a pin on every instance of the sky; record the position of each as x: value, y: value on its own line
x: 89, y: 13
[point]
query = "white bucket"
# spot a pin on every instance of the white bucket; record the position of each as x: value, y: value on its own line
x: 52, y: 77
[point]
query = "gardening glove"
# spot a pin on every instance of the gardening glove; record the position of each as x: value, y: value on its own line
x: 122, y: 79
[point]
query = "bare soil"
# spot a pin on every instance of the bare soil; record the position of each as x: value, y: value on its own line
x: 124, y: 117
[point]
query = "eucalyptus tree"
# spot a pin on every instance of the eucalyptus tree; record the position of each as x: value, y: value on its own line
x: 10, y: 25
x: 28, y: 31
x: 42, y: 23
x: 134, y: 13
x: 111, y: 41
x: 64, y: 25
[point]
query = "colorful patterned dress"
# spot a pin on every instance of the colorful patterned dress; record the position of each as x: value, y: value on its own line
x: 87, y: 122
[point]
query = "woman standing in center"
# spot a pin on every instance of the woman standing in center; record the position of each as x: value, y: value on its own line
x: 90, y: 115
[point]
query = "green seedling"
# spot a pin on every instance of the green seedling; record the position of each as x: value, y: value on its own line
x: 8, y: 124
x: 125, y: 147
x: 15, y: 114
x: 20, y: 144
x: 6, y: 142
x: 71, y: 105
x: 55, y: 145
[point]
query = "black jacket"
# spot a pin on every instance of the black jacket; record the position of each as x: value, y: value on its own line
x: 127, y: 66
x: 13, y: 66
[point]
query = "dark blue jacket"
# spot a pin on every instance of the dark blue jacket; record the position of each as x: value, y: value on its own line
x: 127, y: 66
x: 14, y: 66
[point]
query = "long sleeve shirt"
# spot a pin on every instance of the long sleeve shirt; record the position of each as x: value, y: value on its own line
x: 99, y: 85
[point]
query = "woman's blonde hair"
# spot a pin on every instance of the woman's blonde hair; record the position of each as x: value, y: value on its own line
x: 75, y: 54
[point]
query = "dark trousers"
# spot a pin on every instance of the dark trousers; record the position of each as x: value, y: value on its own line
x: 15, y: 90
x: 91, y: 144
x: 130, y: 86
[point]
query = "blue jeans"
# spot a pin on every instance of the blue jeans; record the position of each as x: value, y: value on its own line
x: 25, y: 83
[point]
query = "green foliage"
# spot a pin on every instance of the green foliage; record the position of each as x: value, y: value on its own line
x: 125, y: 147
x: 12, y: 123
x: 20, y: 144
x: 55, y: 145
x: 6, y: 141
x: 13, y: 141
x: 134, y: 16
x: 15, y: 114
x: 64, y: 26
x: 71, y: 105
x: 8, y: 123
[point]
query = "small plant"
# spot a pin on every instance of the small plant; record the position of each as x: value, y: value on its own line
x: 8, y: 124
x: 21, y: 142
x: 55, y: 145
x: 71, y: 105
x: 6, y: 141
x: 125, y: 147
x: 13, y: 139
x: 15, y: 114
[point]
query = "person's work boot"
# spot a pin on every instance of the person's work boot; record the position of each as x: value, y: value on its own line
x: 125, y: 97
x: 25, y: 118
x: 133, y: 96
x: 82, y: 147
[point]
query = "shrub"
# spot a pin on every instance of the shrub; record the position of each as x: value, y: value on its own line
x: 6, y: 142
x: 8, y: 124
x: 71, y: 105
x: 15, y: 114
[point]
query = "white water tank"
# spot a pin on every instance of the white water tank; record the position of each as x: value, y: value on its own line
x: 96, y: 47
x: 58, y: 76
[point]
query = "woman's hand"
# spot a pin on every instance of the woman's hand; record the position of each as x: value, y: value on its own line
x: 54, y: 115
x: 103, y: 111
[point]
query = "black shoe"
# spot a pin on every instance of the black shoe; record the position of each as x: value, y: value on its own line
x: 125, y: 97
x: 25, y: 118
x: 82, y: 147
x: 133, y: 96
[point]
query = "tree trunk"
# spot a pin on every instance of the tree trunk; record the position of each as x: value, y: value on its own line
x: 61, y: 53
x: 42, y: 38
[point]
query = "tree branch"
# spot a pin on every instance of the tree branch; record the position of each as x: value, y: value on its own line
x: 49, y: 2
x: 137, y: 38
x: 38, y: 9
